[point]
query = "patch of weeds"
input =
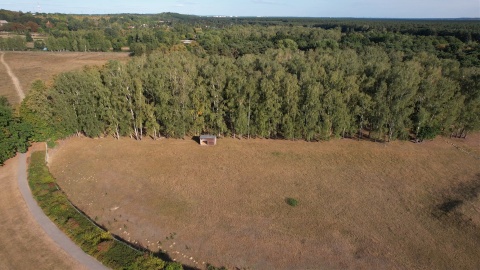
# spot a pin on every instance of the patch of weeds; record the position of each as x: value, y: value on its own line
x: 120, y: 254
x: 276, y: 153
x: 51, y: 144
x: 291, y: 201
x: 211, y: 267
x: 171, y: 236
x: 174, y: 266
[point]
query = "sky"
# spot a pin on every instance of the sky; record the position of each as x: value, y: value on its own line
x: 290, y: 8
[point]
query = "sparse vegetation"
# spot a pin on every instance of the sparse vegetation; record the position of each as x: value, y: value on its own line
x: 88, y: 236
x: 227, y: 203
x: 291, y: 201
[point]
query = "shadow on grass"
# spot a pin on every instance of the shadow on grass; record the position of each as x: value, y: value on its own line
x: 456, y: 196
x: 196, y: 139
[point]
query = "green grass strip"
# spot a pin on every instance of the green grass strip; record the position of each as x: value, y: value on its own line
x: 92, y: 239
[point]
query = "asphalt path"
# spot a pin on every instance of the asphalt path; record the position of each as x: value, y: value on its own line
x: 21, y: 238
x: 47, y: 225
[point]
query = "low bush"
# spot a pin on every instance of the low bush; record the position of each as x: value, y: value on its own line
x: 428, y: 133
x: 291, y: 201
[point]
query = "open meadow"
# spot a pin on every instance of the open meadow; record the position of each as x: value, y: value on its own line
x: 361, y: 205
x: 31, y: 66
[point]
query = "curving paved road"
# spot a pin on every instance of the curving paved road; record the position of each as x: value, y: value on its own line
x: 23, y: 243
x: 28, y: 239
x: 47, y: 225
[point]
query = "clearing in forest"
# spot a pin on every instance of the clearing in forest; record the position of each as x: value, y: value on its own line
x: 361, y: 205
x: 31, y: 66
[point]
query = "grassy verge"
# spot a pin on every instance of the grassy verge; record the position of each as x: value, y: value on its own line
x: 92, y: 239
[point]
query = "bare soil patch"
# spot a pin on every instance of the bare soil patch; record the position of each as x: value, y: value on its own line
x: 23, y: 244
x: 31, y: 66
x: 361, y: 205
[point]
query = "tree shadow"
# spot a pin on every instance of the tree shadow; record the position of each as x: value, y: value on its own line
x: 196, y: 139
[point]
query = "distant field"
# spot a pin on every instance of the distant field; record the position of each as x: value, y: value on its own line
x: 362, y: 205
x: 30, y: 66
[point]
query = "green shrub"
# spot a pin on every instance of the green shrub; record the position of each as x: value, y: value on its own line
x: 174, y: 266
x: 147, y: 262
x: 51, y: 143
x: 291, y: 201
x: 120, y: 255
x: 428, y: 133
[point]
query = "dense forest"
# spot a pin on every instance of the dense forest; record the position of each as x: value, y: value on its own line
x: 291, y: 78
x: 15, y: 134
x: 447, y: 39
x: 282, y: 93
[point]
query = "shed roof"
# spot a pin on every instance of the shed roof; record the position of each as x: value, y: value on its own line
x: 207, y: 137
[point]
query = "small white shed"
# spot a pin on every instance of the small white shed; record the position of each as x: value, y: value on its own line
x: 209, y: 140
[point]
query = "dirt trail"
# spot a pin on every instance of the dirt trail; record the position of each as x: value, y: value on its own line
x: 14, y: 78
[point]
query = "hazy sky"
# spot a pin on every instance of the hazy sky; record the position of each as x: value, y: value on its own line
x: 298, y: 8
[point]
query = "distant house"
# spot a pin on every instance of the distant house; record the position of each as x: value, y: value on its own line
x: 186, y: 41
x: 2, y: 22
x: 209, y: 140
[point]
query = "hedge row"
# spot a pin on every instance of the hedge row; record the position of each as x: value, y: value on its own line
x: 92, y: 239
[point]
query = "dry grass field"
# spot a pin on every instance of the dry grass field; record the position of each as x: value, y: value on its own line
x: 30, y: 66
x: 361, y: 205
x: 24, y: 245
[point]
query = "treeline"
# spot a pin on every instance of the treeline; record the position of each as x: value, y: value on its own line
x: 283, y: 93
x: 13, y: 44
x: 79, y: 41
x: 447, y: 39
x: 19, y: 22
x: 239, y: 40
x: 15, y: 134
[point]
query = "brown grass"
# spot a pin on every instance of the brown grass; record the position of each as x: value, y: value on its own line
x: 30, y: 66
x: 23, y: 243
x: 362, y: 205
